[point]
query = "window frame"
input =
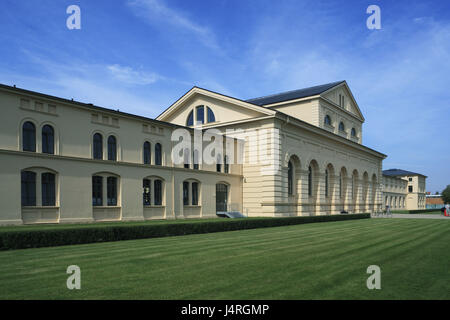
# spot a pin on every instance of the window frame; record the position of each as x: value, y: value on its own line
x: 29, y: 136
x: 48, y: 139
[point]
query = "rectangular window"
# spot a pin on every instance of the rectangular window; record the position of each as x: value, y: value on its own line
x: 185, y: 193
x: 410, y: 188
x: 195, y: 193
x: 111, y: 185
x: 158, y: 192
x: 48, y: 189
x: 28, y: 188
x: 97, y: 191
x: 146, y: 192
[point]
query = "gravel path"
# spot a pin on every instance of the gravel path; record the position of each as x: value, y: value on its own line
x: 413, y: 216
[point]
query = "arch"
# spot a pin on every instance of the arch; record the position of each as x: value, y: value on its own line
x: 374, y: 191
x: 293, y: 176
x: 153, y: 190
x: 106, y: 185
x: 329, y: 182
x: 29, y: 136
x: 49, y: 138
x: 210, y: 115
x: 112, y: 148
x: 46, y: 195
x: 158, y: 154
x: 147, y: 152
x: 97, y: 146
x: 190, y: 119
x: 313, y: 173
x: 354, y: 189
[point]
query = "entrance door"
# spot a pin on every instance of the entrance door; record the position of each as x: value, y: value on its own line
x: 221, y: 197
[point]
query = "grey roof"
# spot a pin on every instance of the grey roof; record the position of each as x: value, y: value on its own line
x: 400, y: 172
x: 294, y: 94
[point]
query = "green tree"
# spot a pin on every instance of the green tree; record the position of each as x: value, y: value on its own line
x: 446, y: 194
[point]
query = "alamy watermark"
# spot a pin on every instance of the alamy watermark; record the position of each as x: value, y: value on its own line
x: 374, y: 20
x: 234, y: 146
x: 74, y: 20
x: 74, y: 280
x: 374, y: 281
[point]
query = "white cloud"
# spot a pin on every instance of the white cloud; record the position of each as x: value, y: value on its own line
x: 160, y: 15
x: 129, y: 76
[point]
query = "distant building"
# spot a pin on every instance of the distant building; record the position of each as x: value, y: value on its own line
x: 404, y: 189
x: 434, y: 201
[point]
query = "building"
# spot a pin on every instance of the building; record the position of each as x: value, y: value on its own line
x: 434, y: 201
x: 404, y: 190
x: 288, y: 154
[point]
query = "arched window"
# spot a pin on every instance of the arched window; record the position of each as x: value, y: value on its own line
x: 191, y: 188
x: 157, y: 192
x: 309, y: 181
x: 327, y: 120
x: 158, y: 154
x: 48, y: 189
x: 28, y: 137
x: 28, y: 181
x: 341, y: 126
x: 353, y: 132
x: 326, y: 183
x: 48, y: 139
x: 190, y: 119
x: 340, y: 185
x: 147, y: 152
x: 112, y: 148
x: 211, y: 117
x: 98, y: 146
x: 200, y: 114
x: 290, y: 179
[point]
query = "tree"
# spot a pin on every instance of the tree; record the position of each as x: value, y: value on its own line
x: 446, y: 194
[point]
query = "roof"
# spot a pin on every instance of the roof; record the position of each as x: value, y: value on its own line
x: 400, y: 172
x: 87, y: 105
x: 294, y: 94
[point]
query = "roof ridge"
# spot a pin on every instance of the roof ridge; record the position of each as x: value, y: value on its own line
x: 290, y: 91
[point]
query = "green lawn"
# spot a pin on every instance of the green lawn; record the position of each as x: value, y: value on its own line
x: 309, y: 261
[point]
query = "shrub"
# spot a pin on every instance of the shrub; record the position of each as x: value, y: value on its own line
x: 20, y: 239
x: 422, y: 210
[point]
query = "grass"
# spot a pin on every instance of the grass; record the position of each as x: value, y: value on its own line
x: 438, y: 211
x: 310, y: 261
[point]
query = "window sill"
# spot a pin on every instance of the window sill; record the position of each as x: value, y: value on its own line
x: 40, y: 207
x: 154, y: 206
x: 106, y: 207
x: 192, y: 206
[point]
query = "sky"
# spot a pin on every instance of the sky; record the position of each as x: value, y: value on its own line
x: 139, y: 56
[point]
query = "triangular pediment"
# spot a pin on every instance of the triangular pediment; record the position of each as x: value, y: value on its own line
x: 225, y: 108
x: 342, y: 91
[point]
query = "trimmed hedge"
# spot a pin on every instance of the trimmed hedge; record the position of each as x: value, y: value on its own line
x: 21, y: 239
x: 423, y: 210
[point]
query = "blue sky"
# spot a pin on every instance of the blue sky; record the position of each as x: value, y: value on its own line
x: 139, y: 56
